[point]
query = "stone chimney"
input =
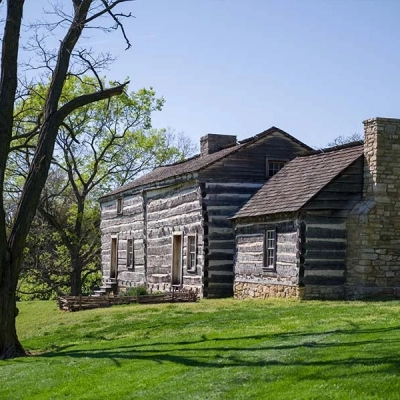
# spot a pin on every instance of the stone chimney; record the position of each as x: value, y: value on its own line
x: 212, y: 143
x: 373, y: 227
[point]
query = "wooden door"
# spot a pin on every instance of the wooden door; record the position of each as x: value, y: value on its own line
x: 176, y: 259
x: 114, y: 258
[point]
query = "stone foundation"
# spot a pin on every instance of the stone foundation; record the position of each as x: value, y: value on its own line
x: 324, y: 292
x: 244, y: 290
x: 247, y: 290
x: 372, y: 292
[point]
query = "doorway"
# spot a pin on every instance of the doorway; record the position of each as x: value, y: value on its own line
x: 176, y: 259
x: 114, y: 258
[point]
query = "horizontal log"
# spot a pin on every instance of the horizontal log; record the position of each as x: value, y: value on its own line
x: 221, y: 245
x: 249, y: 258
x: 316, y: 220
x: 223, y: 278
x: 234, y: 202
x: 321, y: 265
x: 126, y: 223
x: 227, y: 235
x: 324, y: 280
x: 230, y: 189
x: 287, y: 248
x: 226, y: 211
x: 180, y: 220
x: 250, y: 248
x: 326, y: 232
x: 331, y: 204
x: 324, y: 255
x: 325, y: 246
x: 355, y: 177
x: 356, y: 194
x: 162, y: 211
x: 220, y: 223
x: 221, y: 268
x: 218, y: 292
x: 220, y: 256
x: 286, y: 258
x: 159, y: 251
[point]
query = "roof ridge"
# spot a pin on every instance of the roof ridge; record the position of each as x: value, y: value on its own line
x: 178, y: 162
x: 270, y: 130
x: 299, y: 181
x: 196, y: 163
x: 334, y: 148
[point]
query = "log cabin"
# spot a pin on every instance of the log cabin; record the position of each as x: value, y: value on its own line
x: 170, y: 228
x: 327, y: 225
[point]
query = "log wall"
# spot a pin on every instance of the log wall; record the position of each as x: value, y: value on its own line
x: 325, y: 235
x: 252, y: 279
x: 221, y: 201
x: 194, y: 204
x: 127, y: 225
x: 343, y: 193
x: 226, y: 186
x: 324, y: 254
x: 249, y: 164
x: 175, y: 208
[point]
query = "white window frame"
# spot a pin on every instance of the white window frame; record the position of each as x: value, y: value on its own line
x: 272, y: 165
x: 130, y: 253
x: 119, y: 205
x: 270, y: 249
x: 191, y: 255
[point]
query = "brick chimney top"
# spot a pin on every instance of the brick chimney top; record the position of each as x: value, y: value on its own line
x: 212, y: 143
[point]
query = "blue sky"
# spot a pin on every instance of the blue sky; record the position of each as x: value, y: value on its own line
x: 314, y: 68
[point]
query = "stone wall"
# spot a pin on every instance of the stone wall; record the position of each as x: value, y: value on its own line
x: 245, y: 290
x: 373, y: 227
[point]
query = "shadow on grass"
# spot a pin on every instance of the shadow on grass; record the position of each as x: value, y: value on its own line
x: 253, y: 351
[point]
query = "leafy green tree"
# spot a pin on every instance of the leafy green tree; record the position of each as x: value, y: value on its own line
x: 69, y: 59
x: 99, y: 147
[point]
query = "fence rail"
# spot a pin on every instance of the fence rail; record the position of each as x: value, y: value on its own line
x: 78, y: 303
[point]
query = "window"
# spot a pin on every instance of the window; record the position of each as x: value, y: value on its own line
x: 119, y: 206
x: 270, y: 249
x: 273, y: 167
x: 191, y: 253
x: 129, y: 254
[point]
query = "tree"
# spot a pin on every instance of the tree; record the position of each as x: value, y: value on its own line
x: 100, y: 146
x: 341, y: 140
x: 12, y: 239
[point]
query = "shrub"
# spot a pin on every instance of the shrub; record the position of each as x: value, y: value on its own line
x: 134, y: 291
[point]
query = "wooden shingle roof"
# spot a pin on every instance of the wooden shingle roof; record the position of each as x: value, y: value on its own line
x: 196, y: 163
x: 299, y: 181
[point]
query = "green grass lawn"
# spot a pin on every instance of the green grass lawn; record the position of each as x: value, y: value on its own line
x: 214, y: 349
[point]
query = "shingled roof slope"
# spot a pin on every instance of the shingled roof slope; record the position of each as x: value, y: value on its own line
x: 299, y: 181
x: 196, y: 163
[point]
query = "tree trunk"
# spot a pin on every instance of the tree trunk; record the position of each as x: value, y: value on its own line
x: 9, y: 343
x: 10, y: 346
x: 76, y: 277
x: 11, y: 249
